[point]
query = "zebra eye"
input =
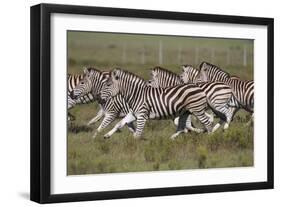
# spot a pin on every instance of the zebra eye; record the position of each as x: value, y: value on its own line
x: 82, y: 82
x: 116, y: 78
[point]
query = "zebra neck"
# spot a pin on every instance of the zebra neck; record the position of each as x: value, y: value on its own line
x: 134, y: 94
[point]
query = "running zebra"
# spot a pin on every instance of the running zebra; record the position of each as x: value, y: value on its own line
x: 218, y: 94
x: 72, y: 81
x: 92, y: 83
x: 157, y: 103
x: 243, y: 90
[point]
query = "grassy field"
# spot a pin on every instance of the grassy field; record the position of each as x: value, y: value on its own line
x: 122, y: 153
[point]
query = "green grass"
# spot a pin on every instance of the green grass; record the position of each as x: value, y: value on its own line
x: 123, y: 153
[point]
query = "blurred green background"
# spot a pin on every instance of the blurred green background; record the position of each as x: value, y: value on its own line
x: 139, y: 53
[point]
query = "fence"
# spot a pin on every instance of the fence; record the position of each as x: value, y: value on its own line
x: 239, y: 56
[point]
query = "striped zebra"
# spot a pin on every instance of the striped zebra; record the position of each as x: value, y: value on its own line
x: 218, y: 94
x: 92, y: 83
x: 157, y: 103
x: 243, y: 90
x: 159, y: 79
x: 72, y: 81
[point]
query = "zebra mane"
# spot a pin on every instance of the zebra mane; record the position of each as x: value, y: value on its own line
x: 127, y: 73
x: 187, y: 65
x: 158, y: 68
x: 214, y: 67
x: 90, y: 68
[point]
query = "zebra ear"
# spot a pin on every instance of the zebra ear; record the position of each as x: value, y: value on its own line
x: 114, y: 75
x: 202, y: 65
x: 154, y: 74
x: 85, y: 71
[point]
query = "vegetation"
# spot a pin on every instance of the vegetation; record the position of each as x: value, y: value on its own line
x: 123, y: 153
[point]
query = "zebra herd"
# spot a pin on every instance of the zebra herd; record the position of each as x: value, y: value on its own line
x: 122, y: 94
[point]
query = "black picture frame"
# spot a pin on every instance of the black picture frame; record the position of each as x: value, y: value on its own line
x: 40, y: 102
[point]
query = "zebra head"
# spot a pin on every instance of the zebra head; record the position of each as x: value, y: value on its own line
x: 204, y: 71
x: 189, y: 74
x: 92, y: 83
x: 111, y: 87
x: 154, y: 81
x: 209, y: 72
x: 151, y: 83
x: 161, y: 77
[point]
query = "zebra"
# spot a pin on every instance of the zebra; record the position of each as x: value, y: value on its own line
x: 93, y: 83
x: 72, y: 81
x: 157, y: 80
x: 218, y: 94
x: 243, y: 90
x: 157, y: 103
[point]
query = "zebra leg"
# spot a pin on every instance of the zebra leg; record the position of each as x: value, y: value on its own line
x: 205, y: 121
x: 188, y: 125
x: 127, y: 119
x: 181, y: 125
x: 108, y: 119
x: 229, y: 116
x: 140, y: 126
x: 131, y: 127
x: 97, y: 117
x: 210, y: 116
x: 222, y: 113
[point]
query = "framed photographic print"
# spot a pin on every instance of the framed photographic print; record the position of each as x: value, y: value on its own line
x: 133, y: 103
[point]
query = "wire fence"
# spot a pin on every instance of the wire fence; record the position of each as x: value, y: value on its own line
x: 161, y: 53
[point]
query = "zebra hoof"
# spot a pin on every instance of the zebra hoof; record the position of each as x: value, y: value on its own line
x: 173, y: 137
x: 226, y: 125
x: 176, y: 121
x: 216, y: 127
x: 198, y: 131
x: 106, y: 136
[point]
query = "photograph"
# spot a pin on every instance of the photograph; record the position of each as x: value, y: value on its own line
x: 149, y: 102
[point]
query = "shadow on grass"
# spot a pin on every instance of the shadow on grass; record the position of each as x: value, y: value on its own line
x: 75, y: 128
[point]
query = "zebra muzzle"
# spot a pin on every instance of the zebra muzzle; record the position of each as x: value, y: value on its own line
x: 72, y: 95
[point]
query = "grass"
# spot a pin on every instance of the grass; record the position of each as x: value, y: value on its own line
x: 123, y: 153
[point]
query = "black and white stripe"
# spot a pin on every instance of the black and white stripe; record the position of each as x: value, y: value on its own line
x: 218, y: 94
x: 158, y: 103
x: 243, y: 90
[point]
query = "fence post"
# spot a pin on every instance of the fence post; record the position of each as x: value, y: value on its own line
x: 160, y: 53
x: 124, y: 54
x: 196, y: 55
x: 143, y: 56
x: 179, y: 55
x: 228, y: 56
x: 212, y: 55
x: 244, y: 56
